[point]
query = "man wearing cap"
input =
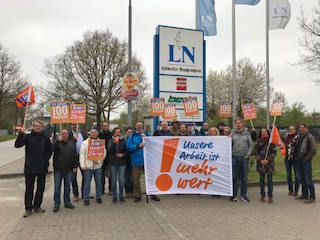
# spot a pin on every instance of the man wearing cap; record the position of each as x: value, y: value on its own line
x: 175, y: 127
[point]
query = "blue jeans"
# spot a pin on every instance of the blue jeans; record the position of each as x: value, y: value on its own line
x: 117, y: 171
x: 305, y: 175
x: 240, y: 166
x: 87, y: 174
x: 289, y: 165
x: 128, y: 179
x: 58, y: 176
x: 270, y: 185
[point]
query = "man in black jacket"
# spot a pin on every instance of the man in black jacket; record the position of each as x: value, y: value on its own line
x: 64, y: 163
x: 304, y: 151
x: 38, y: 153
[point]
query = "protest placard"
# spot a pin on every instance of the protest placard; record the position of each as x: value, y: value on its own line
x: 96, y: 149
x: 157, y: 107
x: 249, y: 111
x: 225, y: 109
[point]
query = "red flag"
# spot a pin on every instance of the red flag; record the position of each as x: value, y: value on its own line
x: 26, y: 97
x: 276, y: 139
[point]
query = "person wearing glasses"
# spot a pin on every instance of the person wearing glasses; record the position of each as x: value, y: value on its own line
x: 38, y: 153
x: 304, y: 152
x: 291, y: 140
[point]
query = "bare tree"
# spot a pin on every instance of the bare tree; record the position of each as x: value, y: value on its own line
x: 90, y: 72
x: 310, y: 42
x: 251, y: 85
x: 11, y: 82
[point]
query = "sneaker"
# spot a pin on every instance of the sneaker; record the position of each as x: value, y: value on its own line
x: 86, y: 203
x: 233, y: 199
x: 262, y: 199
x: 245, y: 199
x: 114, y: 200
x: 99, y: 201
x: 155, y: 198
x: 55, y: 209
x: 39, y: 210
x: 27, y: 214
x: 301, y: 197
x: 75, y: 199
x: 70, y: 206
x: 309, y: 200
x: 122, y: 200
x: 270, y: 200
x: 137, y: 199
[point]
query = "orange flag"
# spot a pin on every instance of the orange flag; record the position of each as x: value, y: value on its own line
x: 26, y: 97
x: 276, y: 139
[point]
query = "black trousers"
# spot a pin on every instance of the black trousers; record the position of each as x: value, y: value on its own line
x: 31, y: 201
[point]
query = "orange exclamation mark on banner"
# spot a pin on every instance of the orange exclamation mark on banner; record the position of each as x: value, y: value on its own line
x: 164, y: 181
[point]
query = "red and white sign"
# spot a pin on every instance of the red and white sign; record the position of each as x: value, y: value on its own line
x: 182, y: 84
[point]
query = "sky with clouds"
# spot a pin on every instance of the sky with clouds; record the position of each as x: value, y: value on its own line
x: 33, y: 30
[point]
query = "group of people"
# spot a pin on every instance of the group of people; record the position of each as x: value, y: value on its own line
x: 124, y: 161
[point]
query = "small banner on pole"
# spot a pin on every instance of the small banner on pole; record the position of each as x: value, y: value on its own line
x: 130, y: 87
x: 96, y: 149
x: 157, y: 107
x: 277, y: 106
x: 190, y: 105
x: 77, y: 113
x: 170, y: 111
x: 225, y: 109
x: 249, y: 111
x: 59, y: 112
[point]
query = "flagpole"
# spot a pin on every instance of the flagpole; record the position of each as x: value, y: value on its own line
x: 267, y: 65
x: 130, y: 59
x: 234, y: 71
x: 25, y: 115
x: 196, y: 14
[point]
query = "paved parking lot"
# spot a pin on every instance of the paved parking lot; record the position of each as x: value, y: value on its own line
x: 174, y: 217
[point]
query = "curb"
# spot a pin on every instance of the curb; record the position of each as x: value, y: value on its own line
x: 18, y: 175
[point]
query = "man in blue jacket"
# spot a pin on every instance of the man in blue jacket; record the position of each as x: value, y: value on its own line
x: 38, y: 153
x: 135, y: 147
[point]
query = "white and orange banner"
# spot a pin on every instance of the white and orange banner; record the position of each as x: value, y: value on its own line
x: 192, y: 165
x: 59, y: 112
x: 64, y: 112
x: 170, y: 111
x: 225, y: 109
x: 96, y: 149
x: 276, y: 108
x: 157, y: 106
x: 190, y: 105
x: 249, y: 111
x: 77, y: 113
